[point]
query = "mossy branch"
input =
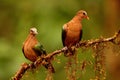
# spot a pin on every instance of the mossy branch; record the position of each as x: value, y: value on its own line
x: 40, y: 61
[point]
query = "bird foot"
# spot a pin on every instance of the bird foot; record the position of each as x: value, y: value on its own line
x: 32, y: 66
x: 73, y: 49
x: 68, y: 54
x: 70, y: 51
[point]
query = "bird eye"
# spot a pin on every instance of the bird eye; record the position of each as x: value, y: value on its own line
x: 31, y: 30
x: 83, y: 13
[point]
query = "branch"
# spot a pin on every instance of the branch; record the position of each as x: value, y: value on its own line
x: 21, y: 71
x: 40, y: 61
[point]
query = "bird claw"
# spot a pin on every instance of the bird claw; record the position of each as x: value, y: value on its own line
x: 70, y: 51
x: 68, y: 54
x: 32, y: 66
x: 73, y: 49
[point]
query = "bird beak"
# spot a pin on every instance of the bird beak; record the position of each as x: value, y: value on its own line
x: 33, y: 30
x: 36, y: 32
x: 87, y: 18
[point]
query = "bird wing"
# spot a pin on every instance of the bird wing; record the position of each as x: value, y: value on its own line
x: 23, y: 51
x: 80, y: 37
x: 39, y: 49
x: 64, y: 34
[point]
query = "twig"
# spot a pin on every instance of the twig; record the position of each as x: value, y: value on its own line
x: 38, y: 62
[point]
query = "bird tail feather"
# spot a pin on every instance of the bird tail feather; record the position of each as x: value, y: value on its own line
x: 50, y: 67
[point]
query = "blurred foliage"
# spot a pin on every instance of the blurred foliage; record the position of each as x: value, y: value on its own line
x: 16, y: 17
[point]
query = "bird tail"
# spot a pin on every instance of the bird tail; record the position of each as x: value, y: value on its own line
x: 50, y: 67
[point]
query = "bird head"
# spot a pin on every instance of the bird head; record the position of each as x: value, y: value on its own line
x: 33, y: 31
x: 83, y: 14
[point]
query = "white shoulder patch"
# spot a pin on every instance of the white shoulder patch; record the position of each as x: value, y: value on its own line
x: 64, y: 26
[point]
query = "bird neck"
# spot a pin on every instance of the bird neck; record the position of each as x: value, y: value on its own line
x: 30, y: 36
x: 77, y: 18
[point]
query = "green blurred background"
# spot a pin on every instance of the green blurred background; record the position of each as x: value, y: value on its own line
x: 48, y: 16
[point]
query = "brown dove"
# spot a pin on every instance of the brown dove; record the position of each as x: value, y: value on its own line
x: 72, y: 30
x: 32, y: 49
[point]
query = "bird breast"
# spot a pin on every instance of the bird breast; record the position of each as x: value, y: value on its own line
x: 72, y: 38
x: 73, y: 35
x: 28, y: 49
x: 74, y: 30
